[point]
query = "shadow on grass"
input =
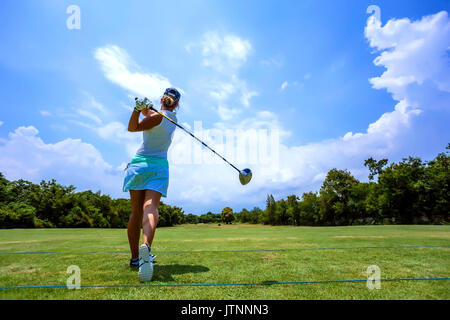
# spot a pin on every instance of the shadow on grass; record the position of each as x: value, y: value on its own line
x: 165, y: 272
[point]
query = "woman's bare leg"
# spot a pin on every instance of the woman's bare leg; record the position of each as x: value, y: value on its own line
x: 150, y: 217
x: 135, y: 222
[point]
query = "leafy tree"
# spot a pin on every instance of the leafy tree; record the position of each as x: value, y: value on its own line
x: 401, y: 185
x: 255, y: 215
x: 3, y: 189
x: 56, y: 205
x: 191, y: 218
x: 242, y: 216
x: 19, y: 215
x: 210, y: 218
x: 375, y: 167
x: 356, y: 204
x: 293, y: 210
x: 270, y: 212
x: 76, y: 218
x: 434, y: 198
x: 411, y: 191
x: 335, y: 195
x: 21, y: 191
x: 52, y: 201
x: 169, y: 216
x: 282, y: 216
x: 120, y: 213
x: 227, y: 215
x: 177, y: 215
x: 372, y: 208
x: 309, y: 208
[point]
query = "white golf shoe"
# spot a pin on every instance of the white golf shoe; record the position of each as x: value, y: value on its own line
x: 145, y: 264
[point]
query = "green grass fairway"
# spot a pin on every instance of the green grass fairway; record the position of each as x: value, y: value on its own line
x: 347, y: 261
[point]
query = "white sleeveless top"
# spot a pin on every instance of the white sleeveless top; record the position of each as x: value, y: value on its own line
x: 158, y: 139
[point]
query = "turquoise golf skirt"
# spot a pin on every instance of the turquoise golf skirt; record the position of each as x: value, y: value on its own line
x: 147, y: 173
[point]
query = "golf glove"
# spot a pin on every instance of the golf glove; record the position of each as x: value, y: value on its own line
x: 143, y: 104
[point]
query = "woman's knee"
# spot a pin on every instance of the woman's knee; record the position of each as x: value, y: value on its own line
x: 151, y: 201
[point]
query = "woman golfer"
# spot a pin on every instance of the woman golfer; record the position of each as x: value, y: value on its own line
x: 147, y: 178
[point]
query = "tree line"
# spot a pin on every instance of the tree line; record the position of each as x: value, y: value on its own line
x: 49, y: 204
x: 411, y: 191
x: 408, y: 192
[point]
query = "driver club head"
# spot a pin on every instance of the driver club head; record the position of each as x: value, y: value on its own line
x: 245, y: 176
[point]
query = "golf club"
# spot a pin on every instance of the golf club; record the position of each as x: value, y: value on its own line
x: 244, y: 175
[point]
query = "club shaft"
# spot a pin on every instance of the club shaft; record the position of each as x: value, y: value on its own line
x: 179, y: 126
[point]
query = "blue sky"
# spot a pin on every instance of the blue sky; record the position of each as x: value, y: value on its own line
x: 300, y: 67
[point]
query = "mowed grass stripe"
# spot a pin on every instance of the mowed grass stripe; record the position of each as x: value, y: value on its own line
x: 213, y: 284
x: 223, y: 251
x: 234, y: 254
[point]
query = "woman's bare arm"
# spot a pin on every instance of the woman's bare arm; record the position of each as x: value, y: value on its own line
x: 134, y: 121
x: 151, y: 120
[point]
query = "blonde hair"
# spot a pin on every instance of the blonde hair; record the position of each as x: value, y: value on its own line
x: 168, y: 101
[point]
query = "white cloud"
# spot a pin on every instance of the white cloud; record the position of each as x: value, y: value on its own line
x: 87, y: 108
x: 221, y: 91
x: 232, y: 89
x: 414, y: 53
x: 115, y: 132
x: 208, y: 175
x: 24, y: 155
x: 118, y: 133
x: 416, y: 60
x: 227, y: 113
x: 421, y: 92
x: 90, y: 103
x: 89, y: 115
x: 122, y: 70
x: 272, y: 62
x: 247, y: 95
x: 101, y: 123
x: 284, y: 85
x: 224, y: 54
x: 260, y: 120
x: 122, y: 166
x: 45, y: 113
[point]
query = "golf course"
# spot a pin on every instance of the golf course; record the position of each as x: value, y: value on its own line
x: 238, y: 261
